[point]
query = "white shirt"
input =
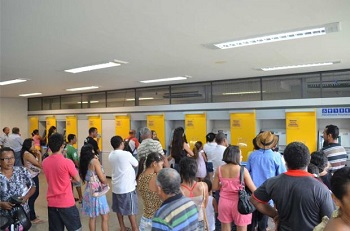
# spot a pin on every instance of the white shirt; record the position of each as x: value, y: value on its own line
x: 123, y: 173
x: 4, y: 140
x: 210, y: 214
x: 209, y: 150
x: 15, y: 142
x: 218, y: 153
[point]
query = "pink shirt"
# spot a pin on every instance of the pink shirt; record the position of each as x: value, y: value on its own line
x: 58, y: 171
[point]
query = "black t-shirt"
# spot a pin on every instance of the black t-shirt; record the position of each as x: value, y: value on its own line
x: 93, y: 142
x: 301, y: 200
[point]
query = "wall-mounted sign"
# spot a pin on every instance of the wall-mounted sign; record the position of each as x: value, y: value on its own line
x: 338, y: 111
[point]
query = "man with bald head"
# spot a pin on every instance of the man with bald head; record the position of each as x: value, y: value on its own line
x: 4, y: 138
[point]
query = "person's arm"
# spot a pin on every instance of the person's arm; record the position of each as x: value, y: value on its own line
x: 29, y: 194
x: 248, y: 181
x: 216, y: 183
x: 161, y: 152
x: 204, y: 156
x: 260, y: 199
x: 31, y: 159
x: 99, y: 172
x: 73, y: 171
x: 186, y: 147
x: 215, y: 205
x: 133, y: 160
x: 206, y: 196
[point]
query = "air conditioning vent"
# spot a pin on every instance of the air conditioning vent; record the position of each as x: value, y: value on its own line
x: 181, y: 95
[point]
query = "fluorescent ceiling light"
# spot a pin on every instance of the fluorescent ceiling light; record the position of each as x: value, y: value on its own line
x: 276, y: 37
x: 145, y: 98
x: 82, y: 88
x: 297, y: 66
x: 242, y: 92
x: 30, y: 94
x: 165, y: 79
x: 85, y: 102
x: 7, y: 82
x: 93, y: 67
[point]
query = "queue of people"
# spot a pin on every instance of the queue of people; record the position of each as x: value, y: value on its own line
x: 295, y: 189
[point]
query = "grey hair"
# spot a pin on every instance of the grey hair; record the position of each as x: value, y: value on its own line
x: 169, y: 180
x: 145, y: 131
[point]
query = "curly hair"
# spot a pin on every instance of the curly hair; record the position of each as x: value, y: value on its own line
x: 320, y: 160
x: 340, y: 181
x: 296, y: 155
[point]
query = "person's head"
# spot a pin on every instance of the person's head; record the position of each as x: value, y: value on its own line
x: 232, y: 155
x: 266, y: 140
x: 86, y: 155
x: 72, y: 139
x: 188, y: 169
x: 132, y: 133
x: 27, y: 146
x: 297, y: 156
x: 15, y: 130
x: 221, y: 139
x: 56, y: 142
x: 117, y: 142
x: 210, y: 137
x: 168, y: 182
x: 154, y: 160
x: 256, y: 147
x: 93, y: 132
x: 6, y: 130
x: 154, y: 134
x: 52, y: 130
x: 7, y: 158
x: 340, y: 185
x: 330, y: 133
x: 145, y: 133
x: 178, y: 141
x: 35, y: 132
x: 313, y: 169
x: 320, y: 160
x: 198, y: 146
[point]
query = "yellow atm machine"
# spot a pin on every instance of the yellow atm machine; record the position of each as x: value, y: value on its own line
x: 122, y: 125
x: 72, y: 127
x: 195, y: 128
x: 33, y: 124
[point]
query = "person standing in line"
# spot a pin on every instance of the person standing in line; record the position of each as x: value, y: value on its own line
x: 263, y: 164
x: 93, y: 139
x: 72, y: 153
x: 336, y: 154
x: 179, y: 147
x: 124, y: 197
x: 294, y: 208
x: 93, y: 206
x: 62, y: 211
x: 209, y: 148
x: 4, y: 138
x: 212, y: 206
x: 177, y: 212
x: 218, y: 152
x: 15, y: 142
x: 133, y: 142
x: 154, y: 135
x: 31, y: 160
x: 200, y: 158
x: 36, y: 138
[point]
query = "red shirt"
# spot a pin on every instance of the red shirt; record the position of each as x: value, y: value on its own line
x: 59, y: 171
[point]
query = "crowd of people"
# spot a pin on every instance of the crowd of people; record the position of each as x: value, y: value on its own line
x: 189, y: 189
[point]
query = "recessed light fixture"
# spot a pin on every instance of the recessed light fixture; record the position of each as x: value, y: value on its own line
x: 86, y: 102
x: 115, y: 63
x: 82, y: 88
x: 144, y: 98
x: 280, y: 36
x: 166, y: 79
x: 30, y: 94
x: 242, y: 92
x: 297, y: 66
x: 13, y: 81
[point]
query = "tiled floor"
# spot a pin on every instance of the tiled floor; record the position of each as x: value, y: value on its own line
x: 41, y: 211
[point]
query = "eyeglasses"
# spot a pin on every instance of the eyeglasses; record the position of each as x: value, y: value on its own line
x: 7, y: 159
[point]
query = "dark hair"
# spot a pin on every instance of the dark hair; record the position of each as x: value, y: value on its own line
x: 208, y: 182
x: 220, y: 138
x: 188, y: 169
x: 92, y: 129
x: 333, y: 130
x: 153, y: 156
x: 313, y: 169
x: 4, y: 129
x: 177, y: 143
x: 70, y: 137
x: 232, y: 155
x: 35, y: 132
x: 296, y: 155
x: 116, y: 141
x: 86, y: 155
x: 320, y: 160
x: 210, y: 137
x: 6, y: 149
x: 55, y: 142
x: 26, y: 146
x: 256, y: 147
x: 15, y: 130
x: 197, y: 146
x: 340, y: 181
x: 52, y: 129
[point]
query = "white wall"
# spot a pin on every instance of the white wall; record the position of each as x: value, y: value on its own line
x: 13, y: 113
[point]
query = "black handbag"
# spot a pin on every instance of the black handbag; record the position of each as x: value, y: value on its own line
x: 244, y: 205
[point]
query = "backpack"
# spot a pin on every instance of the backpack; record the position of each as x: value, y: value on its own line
x: 127, y: 146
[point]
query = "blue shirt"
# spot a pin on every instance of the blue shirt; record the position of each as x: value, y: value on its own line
x: 264, y: 164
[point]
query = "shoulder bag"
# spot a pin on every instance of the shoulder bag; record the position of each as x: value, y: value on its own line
x: 97, y: 188
x: 244, y: 205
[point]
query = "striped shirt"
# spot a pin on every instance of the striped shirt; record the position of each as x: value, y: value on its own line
x: 176, y: 213
x: 336, y: 156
